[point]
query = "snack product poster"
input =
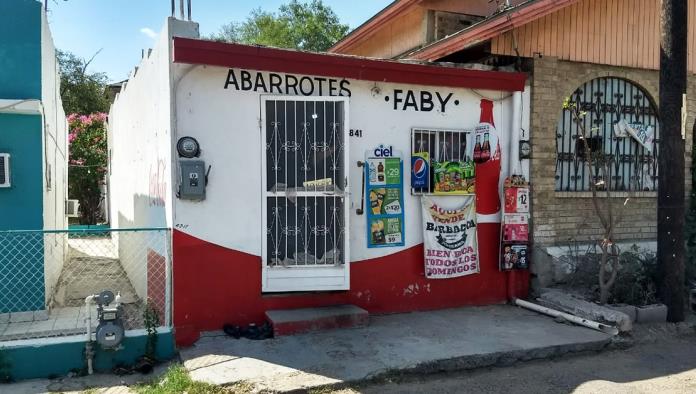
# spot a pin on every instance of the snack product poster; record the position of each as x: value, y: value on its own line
x: 454, y: 171
x: 385, y: 200
x: 450, y: 240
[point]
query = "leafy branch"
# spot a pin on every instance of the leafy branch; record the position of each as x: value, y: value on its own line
x: 152, y: 321
x: 603, y: 207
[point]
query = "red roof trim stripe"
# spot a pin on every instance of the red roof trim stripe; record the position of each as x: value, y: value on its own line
x: 193, y: 51
x: 490, y: 28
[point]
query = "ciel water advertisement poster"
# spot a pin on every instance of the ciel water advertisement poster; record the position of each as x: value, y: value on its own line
x: 384, y: 197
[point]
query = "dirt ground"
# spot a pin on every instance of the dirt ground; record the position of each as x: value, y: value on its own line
x: 661, y: 361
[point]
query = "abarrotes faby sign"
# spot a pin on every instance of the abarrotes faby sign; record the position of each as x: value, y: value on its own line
x: 424, y: 100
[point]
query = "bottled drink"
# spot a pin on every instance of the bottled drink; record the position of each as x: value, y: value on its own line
x: 477, y: 150
x: 486, y: 149
x: 380, y: 172
x: 373, y: 173
x: 488, y: 173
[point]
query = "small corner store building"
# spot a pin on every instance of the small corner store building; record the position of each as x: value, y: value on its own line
x: 267, y: 121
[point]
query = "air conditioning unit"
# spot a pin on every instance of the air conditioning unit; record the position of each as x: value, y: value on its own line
x: 4, y: 170
x: 72, y: 208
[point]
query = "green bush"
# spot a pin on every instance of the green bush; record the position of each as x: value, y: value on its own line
x: 636, y: 282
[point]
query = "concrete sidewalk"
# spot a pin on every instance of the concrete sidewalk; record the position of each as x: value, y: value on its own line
x: 424, y: 342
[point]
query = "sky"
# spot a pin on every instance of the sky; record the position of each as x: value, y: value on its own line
x: 122, y: 28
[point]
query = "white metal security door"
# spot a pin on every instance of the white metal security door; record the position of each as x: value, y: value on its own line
x: 305, y: 185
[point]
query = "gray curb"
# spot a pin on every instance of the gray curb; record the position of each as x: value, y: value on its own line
x: 477, y: 361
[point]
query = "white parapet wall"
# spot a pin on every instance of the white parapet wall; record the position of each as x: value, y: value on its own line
x: 140, y: 146
x: 55, y: 163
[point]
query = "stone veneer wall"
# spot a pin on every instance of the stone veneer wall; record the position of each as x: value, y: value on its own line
x: 567, y: 218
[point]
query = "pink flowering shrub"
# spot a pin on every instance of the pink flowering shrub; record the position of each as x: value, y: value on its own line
x: 88, y: 163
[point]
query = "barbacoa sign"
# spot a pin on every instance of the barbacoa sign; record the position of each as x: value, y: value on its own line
x: 451, y: 247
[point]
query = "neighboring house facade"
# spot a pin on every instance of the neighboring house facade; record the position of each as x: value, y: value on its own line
x: 33, y: 152
x: 603, y: 54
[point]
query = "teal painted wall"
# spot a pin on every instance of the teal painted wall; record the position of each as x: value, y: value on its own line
x: 20, y: 49
x: 60, y: 358
x: 21, y: 208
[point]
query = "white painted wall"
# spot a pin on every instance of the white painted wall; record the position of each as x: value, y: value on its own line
x: 55, y: 164
x: 140, y: 146
x: 226, y: 124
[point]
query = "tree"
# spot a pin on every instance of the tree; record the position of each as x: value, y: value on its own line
x: 604, y: 207
x: 82, y: 92
x: 88, y: 161
x: 85, y: 99
x: 670, y: 197
x: 305, y: 26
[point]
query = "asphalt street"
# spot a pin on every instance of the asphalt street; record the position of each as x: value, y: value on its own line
x: 664, y: 366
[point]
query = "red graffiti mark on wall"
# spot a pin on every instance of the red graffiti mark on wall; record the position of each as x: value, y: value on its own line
x: 158, y: 184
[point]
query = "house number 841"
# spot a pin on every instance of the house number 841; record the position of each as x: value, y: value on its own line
x: 355, y: 133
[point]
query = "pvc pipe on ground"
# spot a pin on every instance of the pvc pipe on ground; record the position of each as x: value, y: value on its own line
x: 607, y: 329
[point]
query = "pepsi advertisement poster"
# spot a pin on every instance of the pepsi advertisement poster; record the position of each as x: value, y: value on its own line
x: 420, y: 170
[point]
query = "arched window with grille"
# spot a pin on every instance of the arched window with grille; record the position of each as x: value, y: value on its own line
x: 621, y: 123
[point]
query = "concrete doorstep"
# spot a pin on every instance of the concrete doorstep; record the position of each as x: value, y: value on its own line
x: 411, y: 343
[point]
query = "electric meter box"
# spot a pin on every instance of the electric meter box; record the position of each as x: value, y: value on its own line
x: 192, y: 186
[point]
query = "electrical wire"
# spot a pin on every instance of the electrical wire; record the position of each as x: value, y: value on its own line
x: 480, y: 95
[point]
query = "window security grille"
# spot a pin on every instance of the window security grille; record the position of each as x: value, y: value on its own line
x: 606, y: 101
x: 441, y: 146
x: 305, y: 183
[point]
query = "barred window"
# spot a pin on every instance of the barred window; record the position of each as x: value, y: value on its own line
x: 622, y: 127
x: 440, y: 146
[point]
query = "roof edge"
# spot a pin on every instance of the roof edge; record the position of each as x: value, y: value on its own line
x: 368, y: 27
x: 196, y: 51
x: 496, y: 25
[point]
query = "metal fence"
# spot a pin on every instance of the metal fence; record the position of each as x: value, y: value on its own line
x: 46, y: 275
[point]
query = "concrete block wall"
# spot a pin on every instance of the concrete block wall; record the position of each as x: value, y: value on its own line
x: 447, y: 23
x: 563, y: 218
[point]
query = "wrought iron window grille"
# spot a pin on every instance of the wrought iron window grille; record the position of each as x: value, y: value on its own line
x: 630, y: 165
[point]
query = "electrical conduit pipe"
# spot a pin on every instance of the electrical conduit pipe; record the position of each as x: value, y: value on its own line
x: 89, y: 352
x: 513, y: 169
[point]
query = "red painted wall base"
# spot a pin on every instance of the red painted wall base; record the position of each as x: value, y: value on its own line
x: 214, y: 285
